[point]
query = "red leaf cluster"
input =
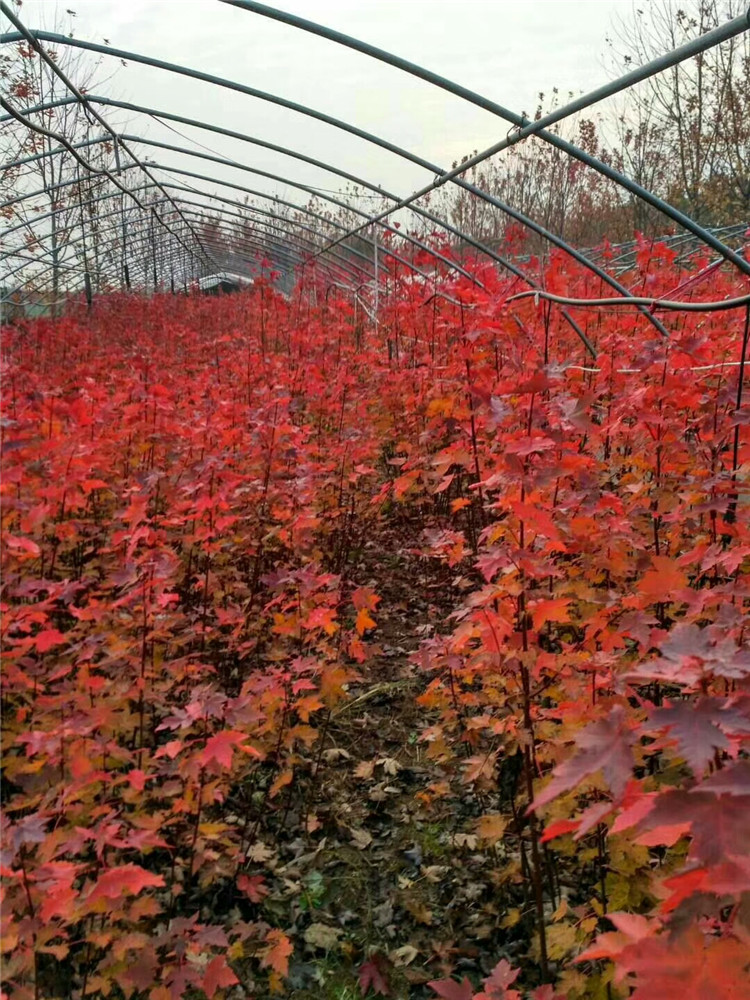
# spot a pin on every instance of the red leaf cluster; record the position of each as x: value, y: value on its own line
x: 184, y: 483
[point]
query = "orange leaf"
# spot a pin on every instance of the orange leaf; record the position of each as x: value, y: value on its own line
x: 276, y: 955
x: 491, y: 827
x: 127, y: 879
x: 285, y: 778
x: 364, y: 621
x: 663, y: 579
x: 217, y: 974
x: 554, y: 610
x: 221, y: 746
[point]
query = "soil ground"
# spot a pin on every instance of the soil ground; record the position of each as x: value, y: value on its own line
x: 378, y: 875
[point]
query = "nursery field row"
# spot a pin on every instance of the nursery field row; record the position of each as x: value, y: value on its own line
x: 408, y: 658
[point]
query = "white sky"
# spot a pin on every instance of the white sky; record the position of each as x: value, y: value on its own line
x: 508, y: 51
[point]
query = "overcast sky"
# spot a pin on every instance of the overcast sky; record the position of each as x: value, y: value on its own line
x: 508, y: 51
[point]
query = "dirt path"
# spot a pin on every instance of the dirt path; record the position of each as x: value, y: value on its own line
x: 368, y: 871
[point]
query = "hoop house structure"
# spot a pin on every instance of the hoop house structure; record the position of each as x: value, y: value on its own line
x: 135, y: 228
x: 375, y: 528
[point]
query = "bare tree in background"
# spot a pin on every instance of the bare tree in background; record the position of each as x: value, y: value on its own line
x: 543, y: 183
x: 685, y: 133
x: 72, y: 234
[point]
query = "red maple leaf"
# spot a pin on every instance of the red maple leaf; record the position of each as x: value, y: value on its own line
x: 18, y: 544
x: 221, y: 746
x: 49, y: 638
x: 605, y: 746
x: 126, y: 880
x: 217, y: 974
x: 695, y: 729
x: 276, y: 955
x: 253, y: 886
x: 559, y: 828
x: 733, y: 780
x: 449, y: 989
x: 719, y: 824
x: 496, y: 985
x: 689, y: 967
x: 372, y: 975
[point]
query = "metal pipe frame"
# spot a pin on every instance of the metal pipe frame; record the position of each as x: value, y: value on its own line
x: 354, y: 130
x: 293, y: 205
x: 13, y: 113
x: 302, y: 256
x: 297, y: 250
x: 526, y: 127
x: 433, y: 168
x: 274, y: 177
x: 323, y: 165
x: 227, y: 255
x: 51, y: 63
x: 327, y: 119
x: 261, y: 194
x: 298, y: 208
x: 106, y: 197
x: 346, y: 266
x: 273, y: 251
x: 24, y: 224
x: 724, y: 32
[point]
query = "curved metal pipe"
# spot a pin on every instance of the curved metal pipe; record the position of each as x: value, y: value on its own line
x: 320, y: 164
x: 91, y: 201
x: 282, y: 180
x: 302, y: 256
x: 437, y: 220
x: 526, y: 128
x: 347, y: 265
x: 311, y: 191
x: 344, y: 126
x: 269, y: 247
x: 34, y: 42
x: 261, y: 194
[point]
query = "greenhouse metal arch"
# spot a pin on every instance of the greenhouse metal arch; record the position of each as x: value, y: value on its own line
x: 174, y: 236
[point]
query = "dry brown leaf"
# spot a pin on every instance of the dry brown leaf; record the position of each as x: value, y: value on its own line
x: 361, y: 838
x: 364, y: 769
x: 491, y: 827
x: 390, y: 765
x: 421, y: 913
x: 434, y: 873
x: 469, y: 840
x: 322, y: 936
x: 403, y: 956
x: 259, y: 852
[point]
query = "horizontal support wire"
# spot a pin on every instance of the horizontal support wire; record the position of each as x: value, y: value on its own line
x: 670, y: 305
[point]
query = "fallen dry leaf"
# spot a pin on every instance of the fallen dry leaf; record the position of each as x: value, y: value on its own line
x: 361, y: 838
x: 403, y: 956
x: 322, y: 936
